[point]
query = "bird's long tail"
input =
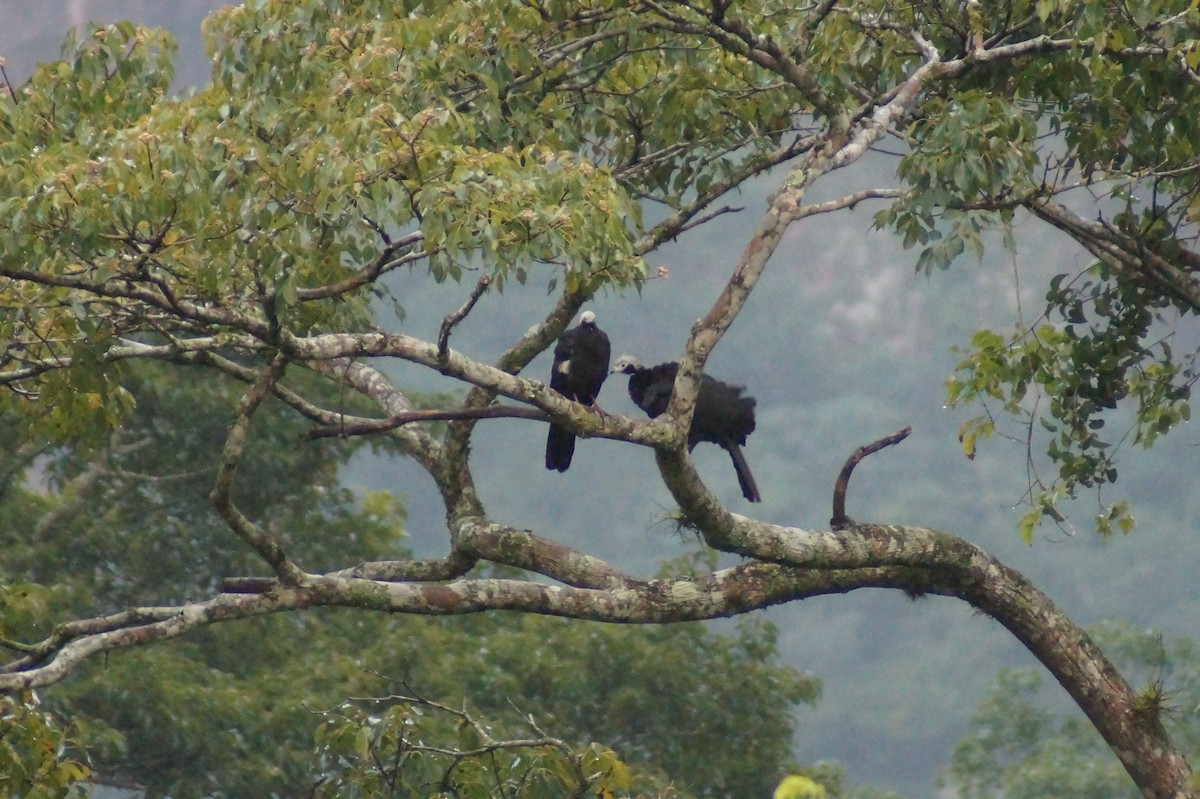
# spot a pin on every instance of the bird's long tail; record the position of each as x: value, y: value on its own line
x: 745, y: 477
x: 560, y: 446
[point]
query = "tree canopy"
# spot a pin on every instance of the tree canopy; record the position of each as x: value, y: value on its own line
x: 252, y: 230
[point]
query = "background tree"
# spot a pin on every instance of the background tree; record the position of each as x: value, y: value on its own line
x: 1021, y: 747
x: 233, y: 713
x: 532, y: 136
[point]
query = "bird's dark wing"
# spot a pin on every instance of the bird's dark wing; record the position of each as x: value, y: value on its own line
x: 657, y: 385
x: 560, y: 442
x: 725, y: 417
x: 722, y: 414
x: 561, y: 370
x: 590, y: 355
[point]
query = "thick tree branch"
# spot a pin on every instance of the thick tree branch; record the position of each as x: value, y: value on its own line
x: 784, y: 208
x: 790, y: 564
x: 178, y: 350
x: 1125, y: 255
x: 373, y: 384
x: 487, y: 541
x: 1040, y: 45
x: 329, y: 351
x: 724, y: 593
x: 698, y: 503
x: 912, y: 559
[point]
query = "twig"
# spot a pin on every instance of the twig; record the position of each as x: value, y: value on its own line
x: 453, y: 319
x: 8, y: 85
x: 349, y: 426
x: 840, y: 520
x: 725, y: 209
x: 386, y: 262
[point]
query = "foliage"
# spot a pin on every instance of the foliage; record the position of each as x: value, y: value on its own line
x: 232, y: 712
x: 404, y: 745
x: 35, y: 759
x: 667, y: 700
x: 389, y: 753
x: 1079, y: 118
x: 628, y: 687
x: 1085, y: 370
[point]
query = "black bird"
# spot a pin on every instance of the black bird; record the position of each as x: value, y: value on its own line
x: 722, y: 417
x: 580, y: 367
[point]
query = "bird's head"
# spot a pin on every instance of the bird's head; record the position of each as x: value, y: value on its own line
x: 588, y: 319
x: 626, y: 364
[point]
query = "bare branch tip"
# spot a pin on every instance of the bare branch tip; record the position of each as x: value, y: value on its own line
x: 449, y: 323
x: 840, y: 520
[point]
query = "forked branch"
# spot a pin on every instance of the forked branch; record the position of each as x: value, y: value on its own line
x: 222, y: 493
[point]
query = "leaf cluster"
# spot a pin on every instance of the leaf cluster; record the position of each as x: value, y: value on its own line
x: 413, y: 747
x: 1097, y: 104
x: 1101, y: 372
x: 35, y: 753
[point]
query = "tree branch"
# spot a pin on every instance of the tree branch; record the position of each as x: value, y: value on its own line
x: 453, y: 319
x: 222, y: 493
x: 373, y: 384
x: 358, y: 426
x: 1126, y: 255
x: 724, y: 593
x: 791, y: 564
x: 735, y: 37
x: 840, y: 520
x: 326, y: 352
x: 699, y: 505
x: 385, y: 262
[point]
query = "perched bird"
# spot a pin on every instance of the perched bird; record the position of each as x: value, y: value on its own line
x: 722, y: 417
x: 580, y: 367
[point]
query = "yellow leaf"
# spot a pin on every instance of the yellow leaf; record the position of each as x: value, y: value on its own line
x: 967, y: 438
x: 795, y: 786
